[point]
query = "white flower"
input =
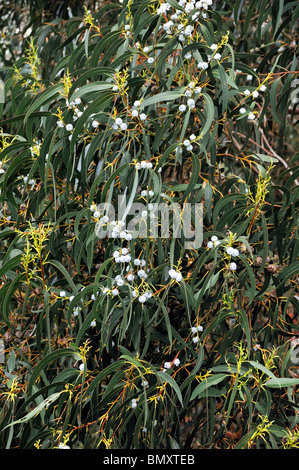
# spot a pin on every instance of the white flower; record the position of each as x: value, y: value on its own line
x: 81, y: 367
x: 167, y: 26
x: 150, y: 60
x: 246, y: 92
x: 192, y: 137
x: 214, y: 238
x: 186, y: 142
x: 62, y: 293
x: 188, y: 55
x: 203, y: 65
x: 242, y: 110
x: 188, y: 30
x: 123, y: 126
x: 143, y: 117
x: 96, y: 214
x: 182, y: 108
x: 232, y: 266
x: 133, y: 403
x: 119, y: 281
x: 210, y: 245
x: 146, y: 49
x: 135, y: 113
x: 63, y: 446
x: 193, y: 329
x: 118, y: 121
x: 172, y: 273
x: 217, y: 56
x: 263, y: 88
x: 195, y: 339
x: 142, y: 298
x: 142, y: 274
x: 163, y: 8
x: 136, y: 104
x: 76, y: 311
x: 95, y: 123
x: 251, y: 116
x: 199, y: 328
x: 197, y: 89
x: 255, y: 94
x: 176, y: 362
x: 175, y: 275
x: 93, y: 323
x: 69, y: 127
x: 59, y: 123
x: 229, y: 250
x: 167, y: 365
x: 191, y: 103
x: 137, y: 262
x: 115, y: 292
x: 249, y: 78
x: 146, y: 164
x: 213, y: 47
x: 130, y: 277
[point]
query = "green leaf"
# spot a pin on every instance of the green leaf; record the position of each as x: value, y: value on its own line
x: 200, y: 390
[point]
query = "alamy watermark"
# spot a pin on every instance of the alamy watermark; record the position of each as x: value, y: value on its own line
x: 2, y: 93
x: 295, y: 351
x: 156, y: 220
x: 295, y: 93
x: 2, y: 357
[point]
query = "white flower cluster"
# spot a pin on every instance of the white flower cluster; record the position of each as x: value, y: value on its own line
x: 175, y: 275
x: 143, y: 165
x: 164, y: 7
x: 176, y: 362
x: 213, y: 242
x: 190, y: 90
x: 194, y: 331
x: 122, y: 255
x: 32, y: 181
x: 133, y: 403
x: 234, y: 252
x: 144, y: 193
x: 255, y: 94
x: 118, y: 230
x: 230, y: 251
x: 119, y: 124
x: 188, y: 142
x: 136, y: 113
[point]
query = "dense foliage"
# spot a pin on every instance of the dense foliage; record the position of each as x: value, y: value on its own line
x: 144, y: 115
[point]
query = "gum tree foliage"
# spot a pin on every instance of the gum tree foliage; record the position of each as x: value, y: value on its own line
x: 149, y: 342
